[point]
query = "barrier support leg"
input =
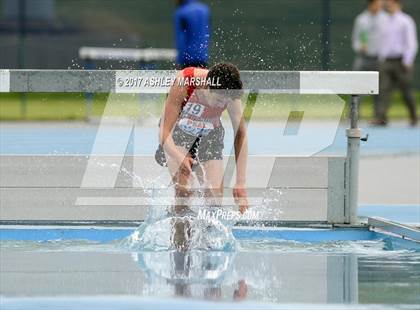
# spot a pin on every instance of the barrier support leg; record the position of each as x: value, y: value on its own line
x: 352, y: 163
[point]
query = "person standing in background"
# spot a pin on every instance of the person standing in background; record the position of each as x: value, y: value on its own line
x: 397, y: 54
x: 192, y: 31
x: 366, y: 37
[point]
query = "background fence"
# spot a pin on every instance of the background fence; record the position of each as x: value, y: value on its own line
x: 272, y: 35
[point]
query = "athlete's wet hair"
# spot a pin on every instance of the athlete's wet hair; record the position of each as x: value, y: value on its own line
x: 227, y: 78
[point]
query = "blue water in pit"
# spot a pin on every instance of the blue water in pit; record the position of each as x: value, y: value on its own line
x: 263, y: 268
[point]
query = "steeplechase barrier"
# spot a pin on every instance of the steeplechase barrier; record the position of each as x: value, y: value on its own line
x: 47, y: 188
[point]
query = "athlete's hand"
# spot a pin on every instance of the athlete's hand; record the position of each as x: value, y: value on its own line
x: 241, y: 197
x: 185, y: 166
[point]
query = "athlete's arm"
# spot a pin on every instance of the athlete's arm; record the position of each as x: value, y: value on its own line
x: 173, y: 107
x: 241, y: 153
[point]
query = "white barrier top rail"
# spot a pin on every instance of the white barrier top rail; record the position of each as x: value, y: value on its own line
x: 155, y: 81
x: 131, y: 54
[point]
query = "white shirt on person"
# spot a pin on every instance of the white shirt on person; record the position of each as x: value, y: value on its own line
x: 399, y: 38
x: 367, y: 31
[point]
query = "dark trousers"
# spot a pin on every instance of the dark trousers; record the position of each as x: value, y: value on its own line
x: 393, y: 73
x: 367, y: 63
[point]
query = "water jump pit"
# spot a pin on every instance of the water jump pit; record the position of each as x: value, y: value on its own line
x: 266, y: 266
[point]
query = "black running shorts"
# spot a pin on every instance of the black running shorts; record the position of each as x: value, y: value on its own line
x: 211, y: 145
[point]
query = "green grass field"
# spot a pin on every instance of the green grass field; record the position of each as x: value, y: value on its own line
x: 56, y: 107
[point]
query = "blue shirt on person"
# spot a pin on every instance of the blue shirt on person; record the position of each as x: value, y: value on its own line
x: 192, y: 30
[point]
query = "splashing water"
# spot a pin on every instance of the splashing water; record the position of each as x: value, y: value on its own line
x: 161, y: 229
x: 194, y: 266
x: 200, y: 234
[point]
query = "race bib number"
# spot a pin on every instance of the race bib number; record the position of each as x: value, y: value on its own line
x: 195, y: 128
x: 195, y: 109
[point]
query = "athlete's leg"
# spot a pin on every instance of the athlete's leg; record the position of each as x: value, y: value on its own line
x: 182, y: 182
x: 181, y: 228
x: 213, y: 181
